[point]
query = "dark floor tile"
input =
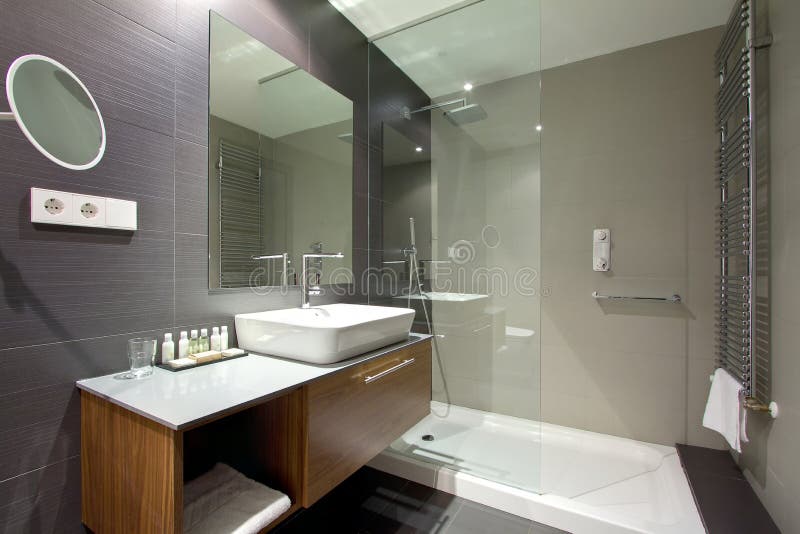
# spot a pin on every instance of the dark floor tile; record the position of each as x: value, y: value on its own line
x: 423, y: 509
x: 373, y: 502
x: 473, y: 518
x: 538, y: 528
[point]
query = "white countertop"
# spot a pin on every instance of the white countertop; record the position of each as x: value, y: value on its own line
x: 187, y: 398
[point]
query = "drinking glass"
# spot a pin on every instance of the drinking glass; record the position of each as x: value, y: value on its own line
x: 141, y: 355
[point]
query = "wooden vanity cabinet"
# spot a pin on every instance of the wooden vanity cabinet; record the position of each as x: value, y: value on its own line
x: 303, y: 442
x: 356, y: 413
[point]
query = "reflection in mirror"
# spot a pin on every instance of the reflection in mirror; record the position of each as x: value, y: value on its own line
x: 406, y: 186
x: 280, y: 165
x: 55, y: 112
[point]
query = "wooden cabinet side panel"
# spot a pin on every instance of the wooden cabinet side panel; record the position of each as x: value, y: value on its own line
x: 283, y: 445
x: 131, y: 471
x: 349, y: 422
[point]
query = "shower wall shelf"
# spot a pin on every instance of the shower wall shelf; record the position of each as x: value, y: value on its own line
x: 742, y: 216
x: 675, y: 299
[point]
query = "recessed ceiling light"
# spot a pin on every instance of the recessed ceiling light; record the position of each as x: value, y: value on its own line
x: 418, y: 149
x: 538, y: 127
x: 468, y: 86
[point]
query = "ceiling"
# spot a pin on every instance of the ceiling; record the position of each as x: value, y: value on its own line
x: 289, y: 103
x: 491, y: 40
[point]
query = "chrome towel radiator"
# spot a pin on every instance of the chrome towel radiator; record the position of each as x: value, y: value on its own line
x: 240, y: 213
x: 743, y: 214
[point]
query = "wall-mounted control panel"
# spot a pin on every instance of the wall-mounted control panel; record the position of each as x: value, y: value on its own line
x: 601, y: 249
x: 59, y: 207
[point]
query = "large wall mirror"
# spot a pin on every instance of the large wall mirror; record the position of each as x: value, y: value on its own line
x: 280, y: 165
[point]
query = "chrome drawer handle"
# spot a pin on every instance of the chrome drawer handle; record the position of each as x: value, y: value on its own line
x: 390, y: 370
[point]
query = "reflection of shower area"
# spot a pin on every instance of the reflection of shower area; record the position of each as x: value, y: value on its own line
x: 461, y: 156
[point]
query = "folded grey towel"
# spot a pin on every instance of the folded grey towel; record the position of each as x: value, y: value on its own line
x: 225, y: 501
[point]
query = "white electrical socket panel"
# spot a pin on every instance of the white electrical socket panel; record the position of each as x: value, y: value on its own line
x: 88, y: 211
x: 59, y: 207
x: 53, y: 207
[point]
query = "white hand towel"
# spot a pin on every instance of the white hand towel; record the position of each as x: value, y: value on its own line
x: 224, y: 501
x: 725, y: 411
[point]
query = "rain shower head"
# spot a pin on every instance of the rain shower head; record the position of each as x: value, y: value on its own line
x: 465, y: 114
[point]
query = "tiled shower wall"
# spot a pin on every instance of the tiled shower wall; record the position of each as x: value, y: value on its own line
x: 72, y: 297
x: 628, y: 144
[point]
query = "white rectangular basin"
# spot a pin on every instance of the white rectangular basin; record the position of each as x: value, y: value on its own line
x: 323, y: 334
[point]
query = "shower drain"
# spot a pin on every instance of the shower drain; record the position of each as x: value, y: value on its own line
x: 428, y: 437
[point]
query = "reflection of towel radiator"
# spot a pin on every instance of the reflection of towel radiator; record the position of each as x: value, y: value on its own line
x: 742, y: 216
x: 240, y: 213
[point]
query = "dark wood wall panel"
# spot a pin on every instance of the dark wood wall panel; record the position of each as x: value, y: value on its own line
x: 72, y: 297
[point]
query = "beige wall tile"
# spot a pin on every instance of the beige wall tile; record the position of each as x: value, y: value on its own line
x: 628, y: 145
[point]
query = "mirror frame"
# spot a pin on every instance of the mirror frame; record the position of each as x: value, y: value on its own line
x: 12, y: 70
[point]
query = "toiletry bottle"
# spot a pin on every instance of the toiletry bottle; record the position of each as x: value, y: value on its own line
x: 204, y: 340
x: 167, y: 348
x: 194, y: 343
x: 215, y: 339
x: 223, y: 338
x: 183, y: 345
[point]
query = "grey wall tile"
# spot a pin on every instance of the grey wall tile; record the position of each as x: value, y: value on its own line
x: 129, y: 69
x: 122, y: 173
x: 156, y: 15
x: 44, y: 441
x: 601, y: 168
x: 72, y: 283
x: 191, y: 96
x: 191, y: 26
x: 40, y: 366
x: 191, y: 188
x: 44, y: 500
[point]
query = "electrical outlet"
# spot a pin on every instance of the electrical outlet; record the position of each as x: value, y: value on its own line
x: 53, y: 207
x: 59, y: 207
x: 89, y: 211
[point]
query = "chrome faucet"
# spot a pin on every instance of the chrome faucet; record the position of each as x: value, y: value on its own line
x: 285, y: 258
x: 306, y: 289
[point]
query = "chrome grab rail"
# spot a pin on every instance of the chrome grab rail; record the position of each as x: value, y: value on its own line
x: 404, y: 363
x: 674, y: 298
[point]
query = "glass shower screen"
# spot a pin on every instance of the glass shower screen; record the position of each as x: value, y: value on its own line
x: 458, y: 128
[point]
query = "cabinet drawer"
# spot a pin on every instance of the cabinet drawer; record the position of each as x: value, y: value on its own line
x: 356, y: 413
